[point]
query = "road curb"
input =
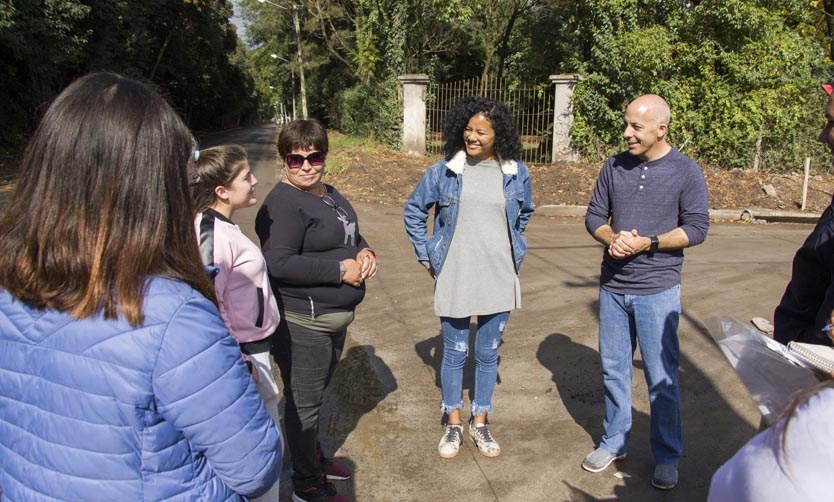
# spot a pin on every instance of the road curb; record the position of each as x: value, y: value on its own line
x: 745, y: 215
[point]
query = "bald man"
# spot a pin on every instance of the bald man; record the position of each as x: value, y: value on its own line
x: 649, y: 203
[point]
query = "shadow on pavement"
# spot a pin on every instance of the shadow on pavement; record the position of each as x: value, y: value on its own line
x: 361, y: 381
x: 576, y: 371
x: 578, y: 377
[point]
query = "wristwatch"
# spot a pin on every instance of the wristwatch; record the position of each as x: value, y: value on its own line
x: 655, y: 243
x: 342, y: 270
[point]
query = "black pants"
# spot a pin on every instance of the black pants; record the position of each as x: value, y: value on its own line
x: 307, y: 359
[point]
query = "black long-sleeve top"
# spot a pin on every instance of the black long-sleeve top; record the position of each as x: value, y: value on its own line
x: 303, y: 240
x: 809, y: 296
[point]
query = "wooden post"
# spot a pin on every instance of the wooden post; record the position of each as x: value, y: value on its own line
x: 757, y: 158
x: 805, y: 182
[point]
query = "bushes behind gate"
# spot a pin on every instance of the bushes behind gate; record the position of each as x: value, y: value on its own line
x: 371, y: 109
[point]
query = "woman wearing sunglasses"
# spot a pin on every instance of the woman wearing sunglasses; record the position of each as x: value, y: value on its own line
x: 318, y: 263
x: 482, y: 202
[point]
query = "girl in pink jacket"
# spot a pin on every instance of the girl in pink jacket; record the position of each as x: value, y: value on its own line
x: 222, y: 183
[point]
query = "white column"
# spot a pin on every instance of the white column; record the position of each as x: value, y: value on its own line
x: 563, y: 116
x: 414, y: 112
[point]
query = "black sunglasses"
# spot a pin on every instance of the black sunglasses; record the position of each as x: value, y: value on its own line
x: 340, y: 211
x: 295, y: 161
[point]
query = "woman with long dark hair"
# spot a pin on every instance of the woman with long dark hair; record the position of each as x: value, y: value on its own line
x: 119, y: 379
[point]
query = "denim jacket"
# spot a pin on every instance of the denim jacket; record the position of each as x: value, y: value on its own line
x: 440, y: 188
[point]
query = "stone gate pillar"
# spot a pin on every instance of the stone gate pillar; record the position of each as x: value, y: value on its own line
x: 563, y: 116
x: 414, y: 112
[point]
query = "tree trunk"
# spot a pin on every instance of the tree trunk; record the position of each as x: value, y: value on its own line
x: 485, y: 78
x: 161, y: 53
x: 505, y: 40
x: 303, y: 84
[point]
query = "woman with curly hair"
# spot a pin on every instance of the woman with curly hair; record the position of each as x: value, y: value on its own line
x: 482, y: 203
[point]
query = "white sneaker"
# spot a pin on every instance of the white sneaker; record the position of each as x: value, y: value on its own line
x: 451, y: 441
x: 483, y: 438
x: 763, y: 325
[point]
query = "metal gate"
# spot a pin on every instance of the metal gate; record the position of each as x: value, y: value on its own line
x: 532, y: 109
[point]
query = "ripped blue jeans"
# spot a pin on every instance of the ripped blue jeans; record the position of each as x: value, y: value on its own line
x: 455, y: 350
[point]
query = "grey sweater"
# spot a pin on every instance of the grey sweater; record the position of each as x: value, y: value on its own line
x: 478, y: 276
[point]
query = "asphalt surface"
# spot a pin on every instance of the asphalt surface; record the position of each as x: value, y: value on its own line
x: 381, y: 416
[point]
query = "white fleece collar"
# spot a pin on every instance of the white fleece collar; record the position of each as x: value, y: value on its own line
x: 457, y: 164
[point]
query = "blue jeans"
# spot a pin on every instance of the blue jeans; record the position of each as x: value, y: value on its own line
x: 455, y: 350
x: 651, y: 321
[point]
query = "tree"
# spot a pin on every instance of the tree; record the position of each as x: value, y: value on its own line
x: 741, y: 77
x: 39, y: 44
x: 185, y: 47
x: 494, y: 22
x: 827, y: 15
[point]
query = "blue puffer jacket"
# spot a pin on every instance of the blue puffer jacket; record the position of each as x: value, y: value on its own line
x: 96, y: 409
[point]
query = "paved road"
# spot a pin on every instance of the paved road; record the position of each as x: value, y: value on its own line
x: 382, y: 411
x: 260, y: 145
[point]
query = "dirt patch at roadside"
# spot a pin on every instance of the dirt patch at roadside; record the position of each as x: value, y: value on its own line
x: 389, y: 177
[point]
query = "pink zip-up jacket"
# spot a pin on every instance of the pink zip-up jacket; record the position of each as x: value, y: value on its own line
x: 247, y: 304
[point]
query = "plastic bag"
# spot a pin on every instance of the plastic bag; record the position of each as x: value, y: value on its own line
x: 771, y: 374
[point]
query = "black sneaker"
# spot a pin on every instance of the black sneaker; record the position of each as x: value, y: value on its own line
x: 323, y: 491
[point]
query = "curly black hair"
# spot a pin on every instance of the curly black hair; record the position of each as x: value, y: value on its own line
x: 507, y: 144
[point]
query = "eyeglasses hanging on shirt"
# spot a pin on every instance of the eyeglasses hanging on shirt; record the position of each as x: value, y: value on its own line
x: 343, y: 215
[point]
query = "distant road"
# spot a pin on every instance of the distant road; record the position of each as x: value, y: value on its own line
x: 259, y: 142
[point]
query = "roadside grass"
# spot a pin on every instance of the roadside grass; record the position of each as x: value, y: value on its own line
x: 344, y: 149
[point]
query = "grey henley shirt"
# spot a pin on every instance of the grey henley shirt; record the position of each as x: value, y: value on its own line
x: 653, y: 198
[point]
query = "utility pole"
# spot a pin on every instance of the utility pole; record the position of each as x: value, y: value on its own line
x: 297, y: 25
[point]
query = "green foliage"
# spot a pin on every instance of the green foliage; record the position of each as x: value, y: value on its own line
x: 186, y: 48
x: 367, y: 56
x: 341, y: 147
x: 406, y: 36
x: 739, y: 75
x: 6, y: 14
x: 40, y: 43
x: 597, y: 121
x: 371, y: 109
